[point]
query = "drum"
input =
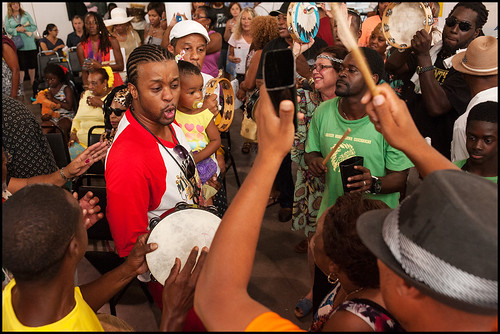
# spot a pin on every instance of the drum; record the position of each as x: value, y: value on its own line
x: 224, y: 119
x: 176, y: 235
x: 302, y: 21
x: 402, y: 20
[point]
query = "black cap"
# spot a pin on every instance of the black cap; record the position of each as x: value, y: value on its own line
x: 282, y: 10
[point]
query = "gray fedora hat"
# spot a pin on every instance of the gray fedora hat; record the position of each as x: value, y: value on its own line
x: 442, y: 239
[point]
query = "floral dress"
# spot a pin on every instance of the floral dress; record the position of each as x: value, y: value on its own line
x: 308, y: 188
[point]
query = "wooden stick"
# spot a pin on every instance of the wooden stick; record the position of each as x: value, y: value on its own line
x: 347, y: 38
x: 328, y: 157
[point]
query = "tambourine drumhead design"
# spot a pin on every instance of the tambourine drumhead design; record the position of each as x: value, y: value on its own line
x: 302, y: 21
x: 224, y: 119
x: 176, y: 235
x: 402, y: 20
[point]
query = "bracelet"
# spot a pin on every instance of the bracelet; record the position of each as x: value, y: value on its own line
x: 64, y: 176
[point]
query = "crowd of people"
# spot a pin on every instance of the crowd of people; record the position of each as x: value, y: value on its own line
x: 378, y: 243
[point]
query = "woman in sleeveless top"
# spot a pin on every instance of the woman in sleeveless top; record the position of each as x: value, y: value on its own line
x: 94, y: 51
x: 355, y: 302
x: 153, y: 33
x: 206, y: 17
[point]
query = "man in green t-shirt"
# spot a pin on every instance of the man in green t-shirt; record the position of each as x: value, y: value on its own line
x: 384, y: 169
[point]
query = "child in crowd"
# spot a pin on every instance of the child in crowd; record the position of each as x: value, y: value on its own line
x: 198, y: 124
x: 59, y: 92
x: 482, y: 141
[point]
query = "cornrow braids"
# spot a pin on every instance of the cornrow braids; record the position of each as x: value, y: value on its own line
x: 479, y: 8
x: 104, y: 42
x: 147, y: 53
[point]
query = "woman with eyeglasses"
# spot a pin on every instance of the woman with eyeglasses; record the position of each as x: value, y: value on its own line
x: 206, y: 17
x: 308, y: 188
x: 50, y: 42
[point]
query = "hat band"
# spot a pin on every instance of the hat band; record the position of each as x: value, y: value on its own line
x: 479, y: 70
x: 437, y: 274
x: 335, y: 60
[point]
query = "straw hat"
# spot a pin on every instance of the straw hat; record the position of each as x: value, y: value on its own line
x: 118, y: 16
x: 479, y: 59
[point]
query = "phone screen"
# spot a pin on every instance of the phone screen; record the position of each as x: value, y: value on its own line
x: 279, y: 76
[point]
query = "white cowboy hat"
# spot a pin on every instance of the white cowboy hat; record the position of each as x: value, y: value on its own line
x: 118, y: 16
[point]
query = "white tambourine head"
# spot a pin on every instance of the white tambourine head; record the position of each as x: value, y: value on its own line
x: 176, y: 235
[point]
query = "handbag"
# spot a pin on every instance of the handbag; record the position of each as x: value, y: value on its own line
x: 18, y: 41
x: 248, y: 128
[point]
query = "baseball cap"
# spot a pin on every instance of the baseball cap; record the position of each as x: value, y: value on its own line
x: 188, y: 27
x: 282, y: 10
x: 442, y: 239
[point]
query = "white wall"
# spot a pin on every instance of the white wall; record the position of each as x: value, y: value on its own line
x: 44, y: 13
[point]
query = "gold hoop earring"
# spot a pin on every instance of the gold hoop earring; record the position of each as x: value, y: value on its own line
x: 330, y: 279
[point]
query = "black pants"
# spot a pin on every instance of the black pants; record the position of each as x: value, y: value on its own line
x: 284, y: 182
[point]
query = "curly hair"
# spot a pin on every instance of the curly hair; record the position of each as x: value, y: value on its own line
x: 263, y: 30
x: 38, y: 223
x: 238, y: 29
x: 342, y: 243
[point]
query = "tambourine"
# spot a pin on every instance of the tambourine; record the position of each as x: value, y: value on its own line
x: 176, y: 234
x: 402, y: 20
x: 302, y: 21
x: 224, y: 119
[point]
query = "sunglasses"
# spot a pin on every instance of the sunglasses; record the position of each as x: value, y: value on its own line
x: 188, y: 167
x: 117, y: 112
x: 463, y: 25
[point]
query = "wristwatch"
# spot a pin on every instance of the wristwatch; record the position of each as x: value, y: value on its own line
x: 421, y: 69
x: 376, y: 186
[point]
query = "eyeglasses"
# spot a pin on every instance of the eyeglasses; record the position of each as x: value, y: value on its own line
x: 117, y: 112
x: 321, y: 67
x: 463, y: 25
x: 188, y: 168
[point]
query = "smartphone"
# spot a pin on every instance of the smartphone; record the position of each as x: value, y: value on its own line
x: 279, y: 76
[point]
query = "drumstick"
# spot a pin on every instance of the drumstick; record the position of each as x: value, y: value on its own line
x: 345, y: 35
x: 336, y: 146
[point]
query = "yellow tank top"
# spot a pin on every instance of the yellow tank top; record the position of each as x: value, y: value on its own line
x: 81, y: 318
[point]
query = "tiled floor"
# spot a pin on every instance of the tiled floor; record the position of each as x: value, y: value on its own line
x: 279, y: 278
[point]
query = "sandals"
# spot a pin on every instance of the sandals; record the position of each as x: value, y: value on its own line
x: 303, y: 307
x: 246, y: 148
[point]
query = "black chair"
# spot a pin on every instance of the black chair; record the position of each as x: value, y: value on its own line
x: 105, y: 261
x: 228, y: 157
x: 58, y: 144
x: 96, y: 171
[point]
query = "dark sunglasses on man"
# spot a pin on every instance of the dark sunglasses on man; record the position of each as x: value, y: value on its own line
x: 463, y: 25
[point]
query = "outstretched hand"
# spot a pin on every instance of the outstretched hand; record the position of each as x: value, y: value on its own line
x: 87, y: 158
x: 178, y: 291
x: 136, y: 260
x: 91, y: 211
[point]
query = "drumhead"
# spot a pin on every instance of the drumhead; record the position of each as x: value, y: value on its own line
x: 176, y: 235
x: 402, y: 20
x: 303, y: 21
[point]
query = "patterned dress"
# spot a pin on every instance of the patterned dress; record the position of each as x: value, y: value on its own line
x: 308, y: 188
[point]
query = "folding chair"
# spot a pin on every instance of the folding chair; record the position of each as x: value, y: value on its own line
x: 107, y: 260
x: 96, y: 171
x: 58, y: 144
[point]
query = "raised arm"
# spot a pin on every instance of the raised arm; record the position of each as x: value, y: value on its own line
x: 221, y: 298
x: 391, y: 117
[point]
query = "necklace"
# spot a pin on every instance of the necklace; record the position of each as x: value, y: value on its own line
x: 345, y: 115
x: 353, y: 292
